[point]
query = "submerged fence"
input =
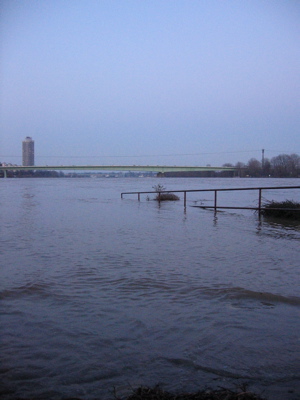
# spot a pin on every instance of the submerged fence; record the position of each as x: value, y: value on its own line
x: 259, y: 207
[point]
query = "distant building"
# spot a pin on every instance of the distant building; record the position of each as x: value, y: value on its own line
x: 28, y: 152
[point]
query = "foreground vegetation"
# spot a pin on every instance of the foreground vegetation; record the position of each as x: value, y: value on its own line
x: 156, y: 393
x: 282, y: 209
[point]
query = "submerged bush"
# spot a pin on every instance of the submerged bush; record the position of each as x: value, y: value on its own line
x: 159, y: 188
x: 282, y: 209
x: 162, y: 195
x: 166, y: 197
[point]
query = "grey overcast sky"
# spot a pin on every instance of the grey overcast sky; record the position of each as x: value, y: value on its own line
x: 185, y: 82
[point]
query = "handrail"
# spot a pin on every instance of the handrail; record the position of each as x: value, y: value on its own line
x: 259, y: 208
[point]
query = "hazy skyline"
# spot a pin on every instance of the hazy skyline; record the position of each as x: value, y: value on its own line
x: 149, y: 82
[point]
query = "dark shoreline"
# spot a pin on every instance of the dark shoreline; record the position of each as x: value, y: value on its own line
x: 157, y: 393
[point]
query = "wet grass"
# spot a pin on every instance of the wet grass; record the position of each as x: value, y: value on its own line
x: 156, y: 393
x: 282, y: 209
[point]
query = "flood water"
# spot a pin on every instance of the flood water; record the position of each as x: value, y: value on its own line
x: 101, y: 293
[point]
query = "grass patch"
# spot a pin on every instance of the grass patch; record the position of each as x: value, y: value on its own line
x: 282, y: 209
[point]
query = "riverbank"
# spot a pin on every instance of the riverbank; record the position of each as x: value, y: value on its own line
x: 156, y: 393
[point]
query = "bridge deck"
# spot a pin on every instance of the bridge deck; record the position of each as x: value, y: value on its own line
x: 139, y: 168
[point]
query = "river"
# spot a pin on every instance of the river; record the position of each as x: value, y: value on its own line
x: 100, y: 293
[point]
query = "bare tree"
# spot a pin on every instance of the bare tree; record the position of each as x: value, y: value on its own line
x: 254, y: 167
x: 285, y: 165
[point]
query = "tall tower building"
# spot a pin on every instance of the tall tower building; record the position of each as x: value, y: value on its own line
x: 28, y: 152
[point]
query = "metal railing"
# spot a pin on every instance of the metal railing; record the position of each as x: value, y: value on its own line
x: 259, y: 207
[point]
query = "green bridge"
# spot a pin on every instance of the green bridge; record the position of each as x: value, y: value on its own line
x: 127, y: 168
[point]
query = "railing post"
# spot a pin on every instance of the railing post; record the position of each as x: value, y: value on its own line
x: 139, y: 196
x: 259, y: 201
x: 215, y: 200
x: 184, y: 199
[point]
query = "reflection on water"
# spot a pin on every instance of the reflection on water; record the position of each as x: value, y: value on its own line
x: 281, y: 223
x: 99, y: 292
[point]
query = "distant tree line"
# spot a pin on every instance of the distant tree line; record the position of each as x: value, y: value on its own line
x: 34, y: 174
x: 281, y: 166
